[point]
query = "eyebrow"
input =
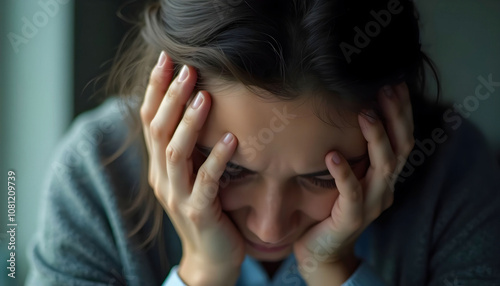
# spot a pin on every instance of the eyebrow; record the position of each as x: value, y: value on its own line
x: 352, y: 161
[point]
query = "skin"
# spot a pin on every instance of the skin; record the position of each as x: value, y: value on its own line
x: 274, y: 206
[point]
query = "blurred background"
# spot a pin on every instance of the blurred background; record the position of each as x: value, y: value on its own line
x: 51, y: 52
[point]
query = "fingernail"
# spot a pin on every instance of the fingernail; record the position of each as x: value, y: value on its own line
x: 388, y: 91
x: 370, y: 115
x: 228, y: 138
x: 198, y: 100
x: 336, y: 158
x: 162, y: 59
x: 184, y: 73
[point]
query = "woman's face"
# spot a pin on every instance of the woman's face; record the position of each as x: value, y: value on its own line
x: 274, y: 200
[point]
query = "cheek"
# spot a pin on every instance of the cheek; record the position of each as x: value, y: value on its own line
x: 319, y: 207
x: 233, y: 198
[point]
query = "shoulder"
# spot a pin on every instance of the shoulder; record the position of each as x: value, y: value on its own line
x: 82, y: 235
x: 464, y: 153
x: 98, y: 131
x: 444, y: 219
x: 94, y: 170
x: 450, y: 147
x: 100, y: 144
x: 452, y: 179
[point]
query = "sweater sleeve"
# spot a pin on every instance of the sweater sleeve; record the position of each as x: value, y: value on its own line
x: 81, y: 237
x: 466, y: 228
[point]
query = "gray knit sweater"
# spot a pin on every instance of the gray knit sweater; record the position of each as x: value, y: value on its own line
x: 443, y: 228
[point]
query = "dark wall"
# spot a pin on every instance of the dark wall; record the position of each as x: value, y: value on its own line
x: 97, y: 33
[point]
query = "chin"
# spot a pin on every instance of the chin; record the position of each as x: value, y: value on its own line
x: 269, y: 256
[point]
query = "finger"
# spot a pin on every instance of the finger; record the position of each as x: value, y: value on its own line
x: 378, y: 195
x: 397, y: 111
x: 206, y: 185
x: 382, y: 158
x: 169, y: 113
x: 350, y: 200
x: 382, y: 165
x: 158, y: 83
x: 180, y: 148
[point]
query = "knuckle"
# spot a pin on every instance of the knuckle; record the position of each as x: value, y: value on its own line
x: 172, y: 205
x: 155, y: 78
x: 172, y: 93
x: 217, y: 154
x: 208, y: 185
x: 357, y: 192
x: 194, y: 215
x: 155, y: 129
x: 159, y: 194
x: 173, y: 155
x: 188, y: 119
x: 205, y: 178
x: 146, y: 114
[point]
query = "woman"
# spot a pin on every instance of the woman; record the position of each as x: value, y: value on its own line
x: 272, y: 143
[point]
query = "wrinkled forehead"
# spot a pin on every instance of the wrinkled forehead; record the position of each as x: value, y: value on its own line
x: 270, y: 128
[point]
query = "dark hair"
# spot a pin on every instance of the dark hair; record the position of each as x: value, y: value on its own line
x: 338, y: 51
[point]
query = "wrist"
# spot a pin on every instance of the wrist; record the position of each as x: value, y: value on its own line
x: 193, y: 271
x: 330, y: 273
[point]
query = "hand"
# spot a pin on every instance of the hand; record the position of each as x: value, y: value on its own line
x: 213, y: 249
x: 330, y: 244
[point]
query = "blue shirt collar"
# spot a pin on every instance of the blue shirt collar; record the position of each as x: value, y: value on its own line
x: 253, y: 274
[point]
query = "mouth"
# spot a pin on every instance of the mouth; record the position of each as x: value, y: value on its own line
x: 268, y: 248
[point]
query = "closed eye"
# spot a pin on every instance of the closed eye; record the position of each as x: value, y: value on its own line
x: 234, y: 172
x: 327, y: 184
x: 233, y: 175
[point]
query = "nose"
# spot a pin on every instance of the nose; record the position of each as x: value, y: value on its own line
x: 272, y: 217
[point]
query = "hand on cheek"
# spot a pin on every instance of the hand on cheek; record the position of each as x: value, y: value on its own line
x: 186, y: 185
x: 328, y: 247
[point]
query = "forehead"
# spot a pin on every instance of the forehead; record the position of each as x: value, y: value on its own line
x: 277, y: 132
